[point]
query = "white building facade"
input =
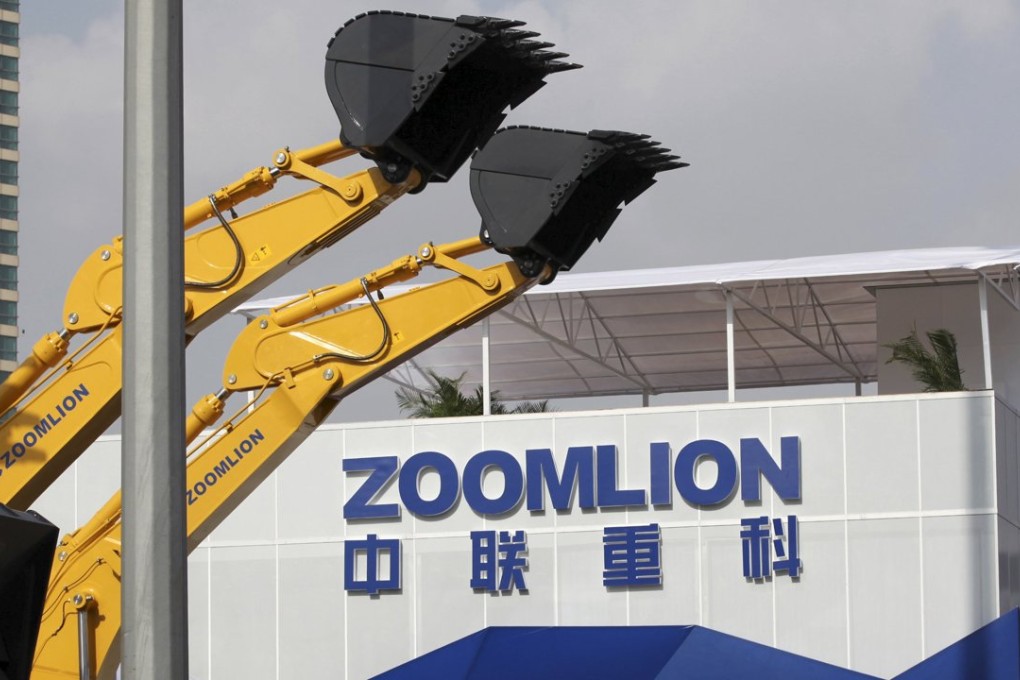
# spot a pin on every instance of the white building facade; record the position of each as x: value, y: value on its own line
x: 908, y: 533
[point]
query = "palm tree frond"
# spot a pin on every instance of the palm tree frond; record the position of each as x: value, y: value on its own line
x: 937, y: 369
x: 445, y: 399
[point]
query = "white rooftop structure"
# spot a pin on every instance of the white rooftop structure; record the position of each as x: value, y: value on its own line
x: 767, y: 323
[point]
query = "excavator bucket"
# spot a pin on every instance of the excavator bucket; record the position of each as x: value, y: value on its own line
x: 426, y: 91
x: 545, y: 195
x: 27, y: 542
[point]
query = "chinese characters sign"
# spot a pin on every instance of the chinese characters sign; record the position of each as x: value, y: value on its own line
x: 372, y: 579
x: 757, y: 546
x: 632, y: 557
x: 507, y: 556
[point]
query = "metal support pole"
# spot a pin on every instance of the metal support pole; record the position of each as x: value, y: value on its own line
x: 84, y: 645
x: 645, y: 398
x: 731, y: 370
x: 986, y: 345
x: 486, y: 388
x: 155, y: 602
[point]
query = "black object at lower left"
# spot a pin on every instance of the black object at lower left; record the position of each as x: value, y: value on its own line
x: 27, y: 542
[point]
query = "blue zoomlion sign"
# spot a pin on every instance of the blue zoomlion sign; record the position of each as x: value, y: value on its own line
x: 587, y: 474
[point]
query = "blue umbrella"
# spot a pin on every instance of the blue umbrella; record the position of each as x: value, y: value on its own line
x: 611, y: 652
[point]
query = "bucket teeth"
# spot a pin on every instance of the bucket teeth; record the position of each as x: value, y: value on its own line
x: 640, y: 150
x: 487, y: 23
x: 532, y: 45
x: 515, y: 35
x: 545, y: 195
x: 550, y: 56
x: 562, y: 66
x: 412, y: 90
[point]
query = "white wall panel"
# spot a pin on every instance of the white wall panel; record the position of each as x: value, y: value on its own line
x: 1006, y: 463
x: 57, y: 503
x: 957, y: 453
x: 1009, y: 565
x: 538, y: 606
x: 581, y: 597
x: 447, y: 609
x: 312, y: 627
x: 818, y: 597
x: 958, y: 550
x: 102, y: 480
x: 198, y: 615
x: 884, y: 556
x: 881, y: 456
x: 730, y: 603
x: 310, y: 490
x: 243, y: 625
x: 1007, y: 442
x: 678, y: 600
x: 254, y: 521
x: 380, y: 628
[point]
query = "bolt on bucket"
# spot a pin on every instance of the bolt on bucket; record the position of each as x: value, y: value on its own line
x: 426, y: 91
x: 545, y: 195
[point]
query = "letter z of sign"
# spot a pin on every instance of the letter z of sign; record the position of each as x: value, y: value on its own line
x: 383, y: 469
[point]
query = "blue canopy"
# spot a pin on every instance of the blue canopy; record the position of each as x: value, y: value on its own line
x: 611, y: 652
x: 989, y: 653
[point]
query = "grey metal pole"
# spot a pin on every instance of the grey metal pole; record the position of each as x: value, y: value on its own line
x: 155, y: 602
x: 986, y: 345
x: 84, y: 646
x: 731, y: 371
x: 486, y: 387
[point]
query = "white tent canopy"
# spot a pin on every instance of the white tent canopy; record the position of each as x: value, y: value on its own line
x: 768, y: 323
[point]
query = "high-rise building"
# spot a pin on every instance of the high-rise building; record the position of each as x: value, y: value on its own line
x: 10, y: 18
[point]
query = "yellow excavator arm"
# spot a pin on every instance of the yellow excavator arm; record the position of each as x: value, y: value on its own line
x: 302, y: 372
x: 224, y: 266
x: 417, y: 114
x: 545, y: 196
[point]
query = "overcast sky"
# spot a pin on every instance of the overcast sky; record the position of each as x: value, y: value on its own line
x: 812, y: 128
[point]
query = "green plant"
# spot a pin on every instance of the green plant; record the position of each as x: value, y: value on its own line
x: 938, y: 368
x: 444, y: 399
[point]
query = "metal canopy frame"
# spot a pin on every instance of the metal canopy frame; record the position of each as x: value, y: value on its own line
x: 779, y: 323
